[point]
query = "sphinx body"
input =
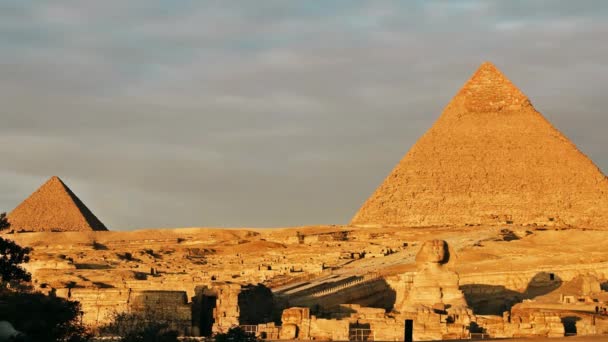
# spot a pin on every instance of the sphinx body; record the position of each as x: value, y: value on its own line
x: 435, y: 287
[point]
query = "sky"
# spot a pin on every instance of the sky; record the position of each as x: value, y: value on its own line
x: 267, y: 113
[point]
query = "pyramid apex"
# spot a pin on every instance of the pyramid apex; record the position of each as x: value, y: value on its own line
x: 487, y: 64
x: 54, y: 181
x: 490, y: 91
x: 490, y: 71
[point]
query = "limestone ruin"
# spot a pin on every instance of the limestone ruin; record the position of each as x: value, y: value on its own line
x: 318, y: 282
x: 512, y: 246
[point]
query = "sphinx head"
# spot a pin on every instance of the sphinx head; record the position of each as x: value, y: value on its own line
x: 433, y: 251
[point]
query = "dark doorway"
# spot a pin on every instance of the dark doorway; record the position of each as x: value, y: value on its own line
x: 409, y: 331
x: 256, y: 305
x: 570, y: 325
x: 206, y: 323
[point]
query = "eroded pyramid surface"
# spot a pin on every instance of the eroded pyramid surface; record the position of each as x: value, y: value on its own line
x: 490, y: 158
x: 53, y: 207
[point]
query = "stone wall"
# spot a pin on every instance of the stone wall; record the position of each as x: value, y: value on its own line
x: 99, y: 306
x: 171, y: 307
x: 329, y: 329
x: 297, y: 323
x: 218, y: 307
x: 523, y: 324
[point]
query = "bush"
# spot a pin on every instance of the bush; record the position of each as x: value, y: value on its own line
x: 153, y: 332
x: 236, y: 334
x: 131, y: 327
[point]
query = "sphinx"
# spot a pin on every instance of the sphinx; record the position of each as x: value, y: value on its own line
x: 435, y: 287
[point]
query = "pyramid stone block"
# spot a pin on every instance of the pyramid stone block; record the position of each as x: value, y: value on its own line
x: 490, y: 158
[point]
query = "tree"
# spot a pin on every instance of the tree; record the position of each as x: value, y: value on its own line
x: 11, y: 256
x: 4, y: 222
x: 43, y: 318
x: 39, y: 317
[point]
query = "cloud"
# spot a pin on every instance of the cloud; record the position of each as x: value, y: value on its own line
x: 271, y: 113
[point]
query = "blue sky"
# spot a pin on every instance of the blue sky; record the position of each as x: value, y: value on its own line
x: 266, y: 113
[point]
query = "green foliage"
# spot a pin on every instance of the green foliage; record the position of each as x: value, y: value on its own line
x: 236, y: 334
x: 3, y: 222
x: 11, y: 256
x: 131, y: 327
x: 43, y: 318
x: 39, y: 317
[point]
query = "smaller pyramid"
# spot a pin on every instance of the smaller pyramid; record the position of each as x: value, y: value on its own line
x: 53, y: 207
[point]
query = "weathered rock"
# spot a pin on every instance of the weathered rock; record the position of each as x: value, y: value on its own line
x: 295, y: 315
x: 289, y: 331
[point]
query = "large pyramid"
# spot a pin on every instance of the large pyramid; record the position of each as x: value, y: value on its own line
x: 490, y: 158
x: 53, y: 207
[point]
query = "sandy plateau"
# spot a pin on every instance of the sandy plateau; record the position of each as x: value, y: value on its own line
x: 323, y: 267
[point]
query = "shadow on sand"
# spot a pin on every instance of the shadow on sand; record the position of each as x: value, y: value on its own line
x: 495, y: 299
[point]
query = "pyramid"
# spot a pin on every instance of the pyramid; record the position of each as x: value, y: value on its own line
x: 53, y: 207
x: 490, y: 158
